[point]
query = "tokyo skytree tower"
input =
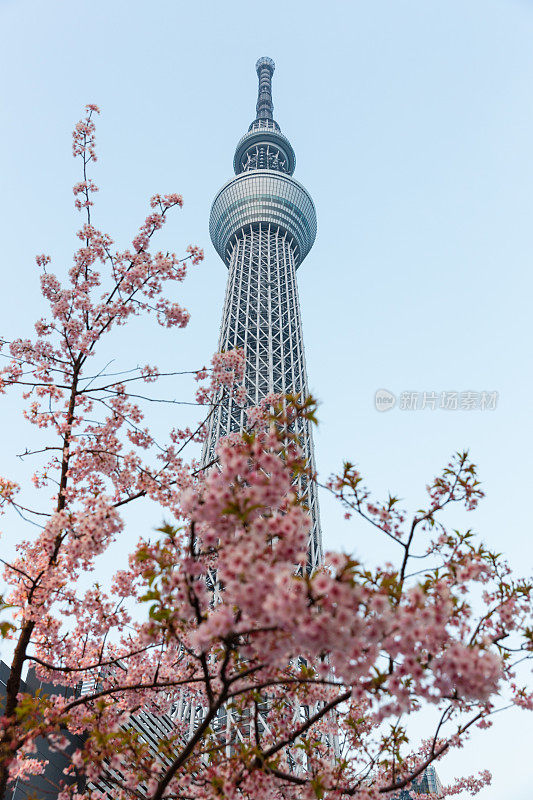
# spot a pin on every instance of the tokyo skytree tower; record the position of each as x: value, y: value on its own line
x: 263, y: 224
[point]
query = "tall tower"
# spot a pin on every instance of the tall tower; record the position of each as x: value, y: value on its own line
x: 263, y: 224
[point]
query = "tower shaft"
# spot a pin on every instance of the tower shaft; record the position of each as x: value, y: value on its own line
x: 262, y: 317
x: 263, y: 224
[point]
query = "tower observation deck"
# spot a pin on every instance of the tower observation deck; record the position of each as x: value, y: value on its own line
x: 263, y: 225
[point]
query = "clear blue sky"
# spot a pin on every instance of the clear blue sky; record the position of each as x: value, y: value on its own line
x: 412, y: 122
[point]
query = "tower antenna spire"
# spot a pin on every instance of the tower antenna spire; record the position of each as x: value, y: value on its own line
x: 265, y: 107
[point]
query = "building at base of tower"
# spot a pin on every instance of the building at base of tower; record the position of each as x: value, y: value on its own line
x: 427, y: 784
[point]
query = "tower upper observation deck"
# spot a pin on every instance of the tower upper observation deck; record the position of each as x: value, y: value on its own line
x: 263, y: 190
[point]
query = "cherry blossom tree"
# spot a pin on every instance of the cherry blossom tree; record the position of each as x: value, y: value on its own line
x: 304, y: 683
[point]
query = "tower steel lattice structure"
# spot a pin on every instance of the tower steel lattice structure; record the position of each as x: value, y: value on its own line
x: 263, y: 225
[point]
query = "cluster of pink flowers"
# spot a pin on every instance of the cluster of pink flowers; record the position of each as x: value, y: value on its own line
x: 226, y: 375
x: 83, y: 135
x: 196, y: 253
x: 84, y: 188
x: 166, y: 201
x: 471, y: 784
x: 149, y: 373
x: 8, y: 490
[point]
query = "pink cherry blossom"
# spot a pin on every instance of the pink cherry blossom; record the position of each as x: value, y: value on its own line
x: 216, y: 613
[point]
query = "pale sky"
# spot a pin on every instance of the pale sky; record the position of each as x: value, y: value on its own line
x: 412, y: 122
